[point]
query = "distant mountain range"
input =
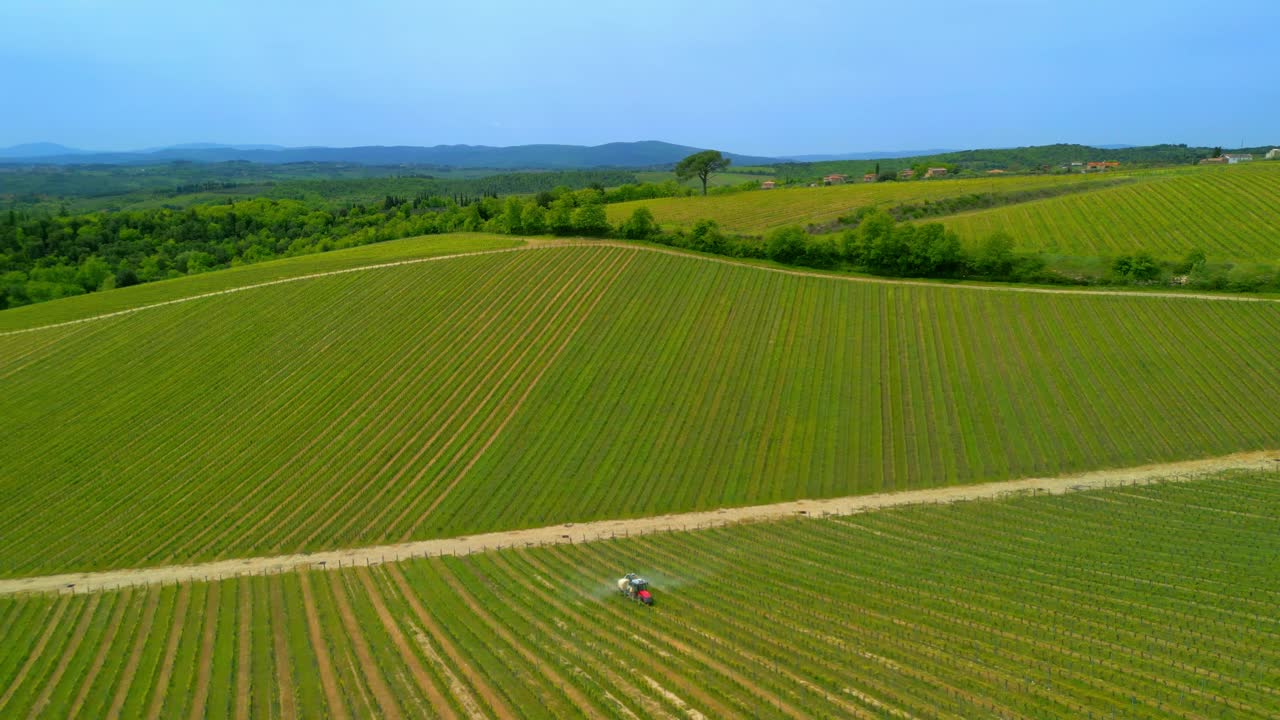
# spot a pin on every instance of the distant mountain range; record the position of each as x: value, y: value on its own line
x: 643, y: 154
x: 39, y: 150
x: 877, y: 155
x: 647, y: 153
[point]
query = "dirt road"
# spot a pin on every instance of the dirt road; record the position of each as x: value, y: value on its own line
x: 586, y: 532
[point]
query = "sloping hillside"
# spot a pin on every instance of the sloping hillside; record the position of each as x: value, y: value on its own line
x: 1230, y: 213
x: 568, y: 383
x: 758, y: 211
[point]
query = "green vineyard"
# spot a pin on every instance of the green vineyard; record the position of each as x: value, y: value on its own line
x: 569, y: 383
x: 1230, y: 213
x: 761, y: 210
x: 1137, y: 602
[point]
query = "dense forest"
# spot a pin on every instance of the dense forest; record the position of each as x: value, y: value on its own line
x: 43, y: 256
x: 183, y: 184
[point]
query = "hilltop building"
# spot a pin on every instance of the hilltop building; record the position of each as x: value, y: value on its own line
x: 869, y: 177
x: 833, y: 179
x: 1274, y: 154
x: 1220, y: 160
x: 995, y: 171
x: 768, y: 185
x: 1102, y: 165
x: 1237, y: 159
x: 906, y: 174
x: 935, y: 172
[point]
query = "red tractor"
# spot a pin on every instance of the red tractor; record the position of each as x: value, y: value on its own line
x: 636, y: 588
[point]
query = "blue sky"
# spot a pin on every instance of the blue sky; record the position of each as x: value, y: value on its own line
x: 778, y: 77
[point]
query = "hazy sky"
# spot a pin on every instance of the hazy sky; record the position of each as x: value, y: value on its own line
x: 783, y: 76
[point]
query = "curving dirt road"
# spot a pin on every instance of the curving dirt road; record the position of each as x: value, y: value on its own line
x: 543, y: 243
x: 602, y: 529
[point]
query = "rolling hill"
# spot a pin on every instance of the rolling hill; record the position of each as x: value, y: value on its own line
x: 1231, y: 213
x: 756, y: 212
x: 430, y: 399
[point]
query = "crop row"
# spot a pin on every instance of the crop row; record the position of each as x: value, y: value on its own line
x: 1149, y: 602
x: 337, y: 437
x: 750, y: 387
x: 566, y: 384
x: 1229, y: 213
x: 759, y: 211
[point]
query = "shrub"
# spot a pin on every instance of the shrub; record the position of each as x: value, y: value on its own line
x: 640, y: 226
x: 786, y: 245
x: 591, y: 220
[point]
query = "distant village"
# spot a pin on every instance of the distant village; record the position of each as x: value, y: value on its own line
x: 1237, y: 158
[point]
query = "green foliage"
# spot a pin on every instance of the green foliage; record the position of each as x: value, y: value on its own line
x: 124, y: 298
x: 881, y: 246
x: 329, y: 186
x: 994, y: 257
x: 707, y: 237
x: 560, y: 218
x: 640, y: 226
x: 512, y: 219
x: 533, y: 220
x: 786, y: 245
x: 1141, y: 268
x: 701, y: 165
x: 1194, y: 262
x: 590, y: 220
x: 67, y: 254
x: 646, y: 191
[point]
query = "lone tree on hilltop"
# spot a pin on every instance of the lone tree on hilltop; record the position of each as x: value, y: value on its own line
x: 702, y: 166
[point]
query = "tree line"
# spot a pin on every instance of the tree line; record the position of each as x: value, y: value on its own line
x: 43, y: 257
x: 47, y: 256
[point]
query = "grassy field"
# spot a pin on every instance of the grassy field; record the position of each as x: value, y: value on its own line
x: 81, y: 306
x: 1138, y: 602
x: 573, y: 383
x: 1231, y: 213
x: 762, y: 210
